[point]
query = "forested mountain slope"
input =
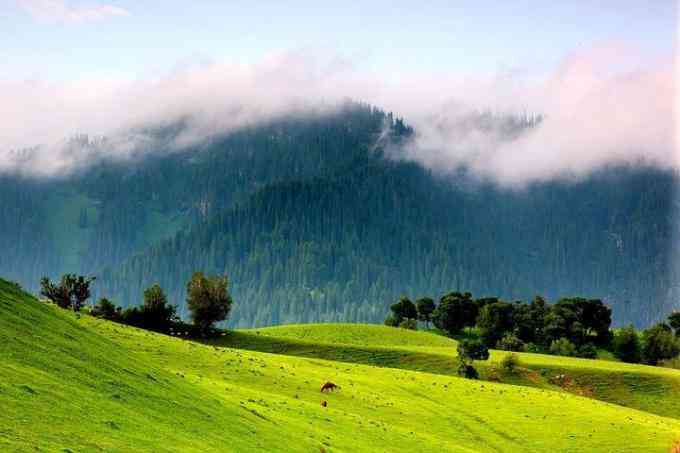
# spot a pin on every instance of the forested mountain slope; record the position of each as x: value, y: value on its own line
x: 311, y: 221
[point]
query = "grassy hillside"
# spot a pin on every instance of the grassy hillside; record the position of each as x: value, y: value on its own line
x: 79, y: 384
x: 652, y: 389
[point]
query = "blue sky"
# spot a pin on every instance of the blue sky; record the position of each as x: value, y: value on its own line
x: 64, y: 39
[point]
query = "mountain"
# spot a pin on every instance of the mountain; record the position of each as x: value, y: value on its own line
x: 317, y: 218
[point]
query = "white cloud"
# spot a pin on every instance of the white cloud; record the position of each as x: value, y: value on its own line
x: 608, y: 104
x: 61, y: 11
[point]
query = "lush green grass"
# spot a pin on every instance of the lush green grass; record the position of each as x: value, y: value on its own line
x: 83, y: 384
x: 354, y: 334
x: 652, y: 389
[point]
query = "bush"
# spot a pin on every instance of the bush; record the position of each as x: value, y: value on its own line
x: 510, y: 343
x: 587, y: 351
x: 659, y: 344
x: 472, y: 349
x: 626, y: 345
x: 391, y: 321
x: 410, y: 324
x: 510, y: 363
x: 106, y: 309
x: 467, y: 371
x: 563, y: 346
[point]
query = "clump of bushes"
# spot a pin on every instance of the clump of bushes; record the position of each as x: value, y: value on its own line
x: 510, y: 363
x: 470, y: 350
x: 511, y: 343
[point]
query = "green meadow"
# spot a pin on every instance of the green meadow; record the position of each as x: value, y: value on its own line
x: 75, y: 383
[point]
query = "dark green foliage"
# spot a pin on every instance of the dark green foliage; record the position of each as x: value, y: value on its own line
x: 659, y: 343
x: 208, y: 300
x: 510, y: 343
x: 529, y: 320
x: 674, y: 322
x: 454, y: 312
x: 425, y: 307
x: 71, y: 292
x: 579, y: 320
x: 587, y: 351
x: 470, y: 350
x: 562, y: 346
x: 391, y: 321
x: 467, y: 371
x: 156, y: 313
x: 626, y: 345
x: 106, y: 309
x: 410, y: 324
x: 495, y: 321
x: 510, y: 363
x: 403, y: 309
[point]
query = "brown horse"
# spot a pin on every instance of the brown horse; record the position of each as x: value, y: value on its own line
x: 328, y: 386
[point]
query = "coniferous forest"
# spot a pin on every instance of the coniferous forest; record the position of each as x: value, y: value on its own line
x: 318, y: 218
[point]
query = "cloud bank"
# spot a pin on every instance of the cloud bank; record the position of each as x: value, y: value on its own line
x: 61, y: 11
x: 603, y: 105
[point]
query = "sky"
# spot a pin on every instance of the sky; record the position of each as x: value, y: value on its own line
x: 64, y: 39
x: 69, y: 66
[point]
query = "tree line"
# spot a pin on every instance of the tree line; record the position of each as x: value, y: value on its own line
x: 573, y: 326
x: 207, y: 298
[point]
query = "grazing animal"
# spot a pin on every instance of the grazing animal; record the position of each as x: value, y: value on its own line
x: 328, y: 386
x: 324, y: 403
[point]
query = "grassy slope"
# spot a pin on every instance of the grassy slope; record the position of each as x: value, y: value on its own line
x: 90, y: 385
x: 652, y: 389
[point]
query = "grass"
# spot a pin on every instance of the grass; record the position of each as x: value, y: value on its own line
x: 651, y: 389
x: 75, y: 383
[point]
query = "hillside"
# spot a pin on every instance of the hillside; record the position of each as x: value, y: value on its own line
x: 81, y: 384
x: 317, y: 219
x: 651, y: 389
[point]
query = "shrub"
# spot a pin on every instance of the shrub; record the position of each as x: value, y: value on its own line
x: 659, y: 344
x: 510, y: 363
x: 106, y: 309
x: 510, y: 343
x: 626, y: 345
x: 410, y: 324
x: 587, y: 351
x: 467, y: 371
x: 391, y: 321
x: 563, y: 346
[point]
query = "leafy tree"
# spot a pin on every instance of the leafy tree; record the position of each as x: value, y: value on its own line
x: 59, y: 294
x: 425, y: 307
x: 470, y: 350
x: 410, y: 324
x: 529, y: 320
x: 659, y: 344
x: 455, y: 311
x: 156, y: 313
x: 208, y: 300
x: 587, y: 351
x: 495, y: 321
x: 626, y: 345
x: 391, y: 321
x: 404, y: 309
x: 71, y: 292
x: 106, y: 309
x: 674, y: 322
x: 562, y: 346
x: 510, y: 343
x: 579, y: 320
